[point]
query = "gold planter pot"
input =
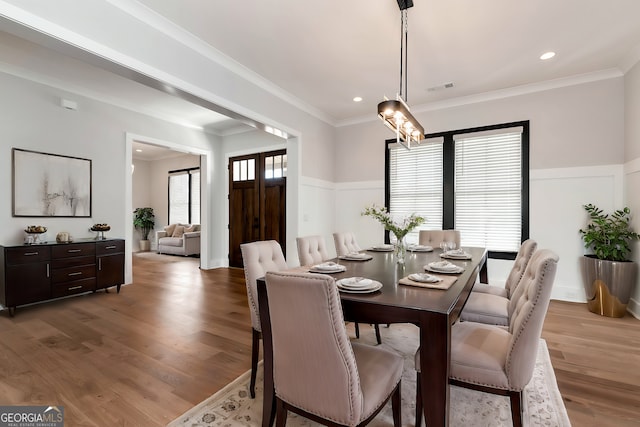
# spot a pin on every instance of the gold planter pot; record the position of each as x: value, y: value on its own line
x: 608, y: 285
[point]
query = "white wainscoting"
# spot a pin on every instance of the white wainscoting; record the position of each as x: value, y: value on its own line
x: 556, y: 215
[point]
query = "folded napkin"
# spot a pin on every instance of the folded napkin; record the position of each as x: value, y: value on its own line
x: 382, y: 247
x: 443, y: 266
x: 424, y: 278
x: 444, y: 283
x: 356, y: 256
x: 330, y: 265
x: 456, y: 254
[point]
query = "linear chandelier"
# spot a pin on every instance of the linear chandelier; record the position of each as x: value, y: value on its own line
x: 396, y: 113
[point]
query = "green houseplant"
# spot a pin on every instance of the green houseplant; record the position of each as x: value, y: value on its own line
x: 608, y: 274
x: 144, y: 220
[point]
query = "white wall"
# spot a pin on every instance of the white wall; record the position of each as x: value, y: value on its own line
x: 576, y: 154
x: 31, y: 118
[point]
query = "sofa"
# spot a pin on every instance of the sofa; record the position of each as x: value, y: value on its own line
x: 179, y: 239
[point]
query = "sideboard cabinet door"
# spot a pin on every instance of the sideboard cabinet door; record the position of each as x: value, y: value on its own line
x: 28, y: 270
x: 110, y: 259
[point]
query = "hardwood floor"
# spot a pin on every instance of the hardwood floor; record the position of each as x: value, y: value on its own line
x: 178, y: 334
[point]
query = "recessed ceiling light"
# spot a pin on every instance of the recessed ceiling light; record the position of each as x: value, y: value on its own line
x: 138, y: 150
x: 357, y: 99
x: 547, y: 55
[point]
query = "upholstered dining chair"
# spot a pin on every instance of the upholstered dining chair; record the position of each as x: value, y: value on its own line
x: 499, y: 360
x: 308, y: 331
x: 311, y: 250
x: 258, y: 258
x: 435, y: 237
x: 345, y: 243
x: 489, y: 303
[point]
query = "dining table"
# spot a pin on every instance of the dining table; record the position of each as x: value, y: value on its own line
x: 433, y: 310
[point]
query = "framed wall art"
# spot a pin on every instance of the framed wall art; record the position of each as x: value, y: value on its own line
x: 50, y: 185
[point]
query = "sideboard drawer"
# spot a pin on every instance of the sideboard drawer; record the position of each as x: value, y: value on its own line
x: 74, y: 273
x: 27, y: 254
x: 109, y: 247
x: 73, y: 250
x: 71, y: 288
x: 73, y: 262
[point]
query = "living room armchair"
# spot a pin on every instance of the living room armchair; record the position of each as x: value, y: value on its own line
x: 179, y: 239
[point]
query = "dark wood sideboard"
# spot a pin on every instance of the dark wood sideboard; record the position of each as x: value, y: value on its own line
x: 40, y: 272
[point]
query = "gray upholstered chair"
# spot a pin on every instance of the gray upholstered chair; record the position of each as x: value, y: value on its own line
x: 435, y: 237
x: 317, y: 372
x: 500, y: 360
x: 311, y: 250
x: 258, y: 258
x: 346, y: 243
x: 490, y: 304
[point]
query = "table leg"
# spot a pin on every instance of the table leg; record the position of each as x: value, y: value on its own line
x: 434, y: 368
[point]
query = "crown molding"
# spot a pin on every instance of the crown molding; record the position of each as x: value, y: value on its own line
x: 606, y: 74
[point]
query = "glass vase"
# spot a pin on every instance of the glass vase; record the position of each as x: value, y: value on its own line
x: 400, y: 250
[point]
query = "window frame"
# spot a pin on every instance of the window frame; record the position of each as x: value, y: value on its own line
x: 448, y: 190
x: 189, y: 173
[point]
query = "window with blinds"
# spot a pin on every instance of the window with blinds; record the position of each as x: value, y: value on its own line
x: 488, y: 189
x: 184, y: 196
x: 415, y: 183
x: 473, y: 180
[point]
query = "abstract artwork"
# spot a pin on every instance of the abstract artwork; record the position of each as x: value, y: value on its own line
x: 50, y: 185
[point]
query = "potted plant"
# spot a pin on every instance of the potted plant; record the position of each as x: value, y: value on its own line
x: 608, y: 274
x: 144, y: 220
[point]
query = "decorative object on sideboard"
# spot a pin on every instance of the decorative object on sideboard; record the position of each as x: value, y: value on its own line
x: 50, y: 185
x: 609, y: 277
x: 144, y: 220
x: 100, y: 229
x: 64, y: 237
x: 34, y: 234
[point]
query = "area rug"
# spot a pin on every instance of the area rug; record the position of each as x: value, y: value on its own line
x: 543, y: 406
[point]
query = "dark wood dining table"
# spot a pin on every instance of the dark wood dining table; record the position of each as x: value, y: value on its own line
x: 432, y: 310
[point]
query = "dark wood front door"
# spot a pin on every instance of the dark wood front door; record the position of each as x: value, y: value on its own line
x: 257, y: 201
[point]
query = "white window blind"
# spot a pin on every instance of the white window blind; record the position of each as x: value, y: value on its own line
x: 195, y: 197
x: 488, y: 189
x: 184, y: 197
x: 415, y: 183
x: 179, y: 198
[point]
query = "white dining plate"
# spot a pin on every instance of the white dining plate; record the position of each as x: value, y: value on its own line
x: 356, y: 257
x: 419, y: 248
x: 455, y: 270
x: 373, y: 287
x: 382, y: 248
x: 355, y: 283
x: 327, y: 267
x: 456, y: 254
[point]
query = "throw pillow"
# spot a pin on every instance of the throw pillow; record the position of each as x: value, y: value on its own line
x: 178, y: 232
x: 170, y: 229
x: 190, y: 229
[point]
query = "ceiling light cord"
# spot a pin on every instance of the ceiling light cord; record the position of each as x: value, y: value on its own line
x: 404, y: 54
